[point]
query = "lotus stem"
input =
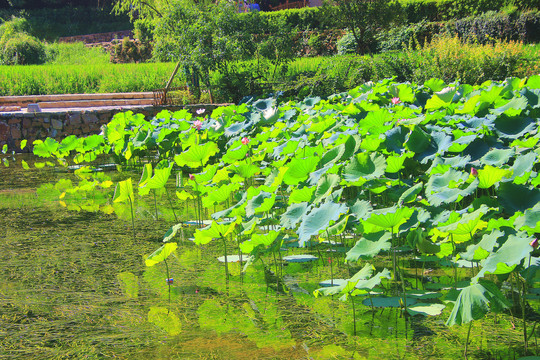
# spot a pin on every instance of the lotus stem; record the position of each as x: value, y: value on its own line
x: 226, y: 263
x: 353, y: 313
x: 171, y: 204
x: 132, y: 217
x: 168, y: 284
x: 155, y: 203
x: 467, y: 340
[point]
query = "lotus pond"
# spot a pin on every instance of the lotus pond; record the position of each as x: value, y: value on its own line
x: 394, y: 221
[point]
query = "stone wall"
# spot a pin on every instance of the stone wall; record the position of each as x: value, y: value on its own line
x: 17, y: 126
x: 98, y: 38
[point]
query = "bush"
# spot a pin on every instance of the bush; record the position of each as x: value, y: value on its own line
x: 308, y: 18
x: 453, y: 59
x: 407, y: 36
x: 346, y: 44
x: 23, y: 49
x: 129, y: 51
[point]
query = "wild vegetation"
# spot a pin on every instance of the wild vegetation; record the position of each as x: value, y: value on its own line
x: 376, y: 184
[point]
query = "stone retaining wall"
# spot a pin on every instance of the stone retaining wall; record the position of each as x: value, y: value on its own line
x: 98, y: 38
x: 17, y: 126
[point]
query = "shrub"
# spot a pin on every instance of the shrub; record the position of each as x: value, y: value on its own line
x: 23, y: 49
x: 129, y: 51
x: 308, y: 18
x: 453, y: 59
x: 346, y: 44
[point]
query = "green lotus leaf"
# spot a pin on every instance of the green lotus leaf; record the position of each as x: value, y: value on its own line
x: 160, y: 178
x: 515, y: 197
x: 246, y: 170
x: 123, y: 191
x: 497, y: 157
x: 513, y: 107
x: 385, y: 302
x: 369, y: 246
x: 435, y: 84
x: 161, y: 254
x: 441, y: 99
x: 260, y: 203
x: 45, y: 148
x: 294, y: 213
x: 319, y: 219
x: 483, y: 249
x: 523, y: 165
x: 301, y: 195
x: 417, y: 140
x: 213, y: 231
x: 361, y: 209
x: 425, y: 309
x: 299, y: 169
x: 364, y: 166
x: 489, y: 176
x: 511, y: 253
x: 323, y: 125
x: 410, y: 194
x: 258, y: 239
x: 474, y: 301
x: 396, y: 163
x: 390, y: 218
x: 197, y: 155
x: 324, y: 187
x: 332, y: 155
x: 219, y: 194
x: 337, y: 228
x: 424, y: 245
x: 363, y: 274
x: 207, y: 175
x: 444, y: 188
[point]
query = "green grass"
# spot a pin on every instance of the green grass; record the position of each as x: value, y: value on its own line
x: 88, y: 78
x: 75, y: 54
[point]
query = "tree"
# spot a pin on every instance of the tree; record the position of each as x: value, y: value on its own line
x: 362, y: 18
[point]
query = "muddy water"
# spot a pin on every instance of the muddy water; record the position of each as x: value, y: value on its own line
x: 73, y: 285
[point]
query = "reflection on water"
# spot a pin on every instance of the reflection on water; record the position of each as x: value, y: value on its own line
x: 73, y: 285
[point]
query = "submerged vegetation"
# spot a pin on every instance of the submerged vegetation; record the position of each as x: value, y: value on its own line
x: 390, y: 202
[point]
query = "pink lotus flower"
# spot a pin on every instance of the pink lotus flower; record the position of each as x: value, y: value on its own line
x: 534, y: 243
x: 196, y: 291
x: 200, y: 111
x: 191, y: 177
x: 245, y: 140
x: 474, y: 172
x: 395, y: 100
x: 197, y: 124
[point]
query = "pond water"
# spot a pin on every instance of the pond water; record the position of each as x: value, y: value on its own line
x: 73, y: 284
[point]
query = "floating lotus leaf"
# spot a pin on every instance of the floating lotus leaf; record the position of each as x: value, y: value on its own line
x: 475, y: 301
x: 388, y: 302
x: 319, y: 219
x: 511, y: 253
x: 369, y: 246
x: 425, y: 309
x: 300, y: 258
x: 161, y: 254
x: 364, y: 274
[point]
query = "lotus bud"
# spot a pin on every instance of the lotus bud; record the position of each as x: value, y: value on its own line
x: 474, y: 172
x: 534, y: 243
x: 191, y: 177
x: 245, y: 140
